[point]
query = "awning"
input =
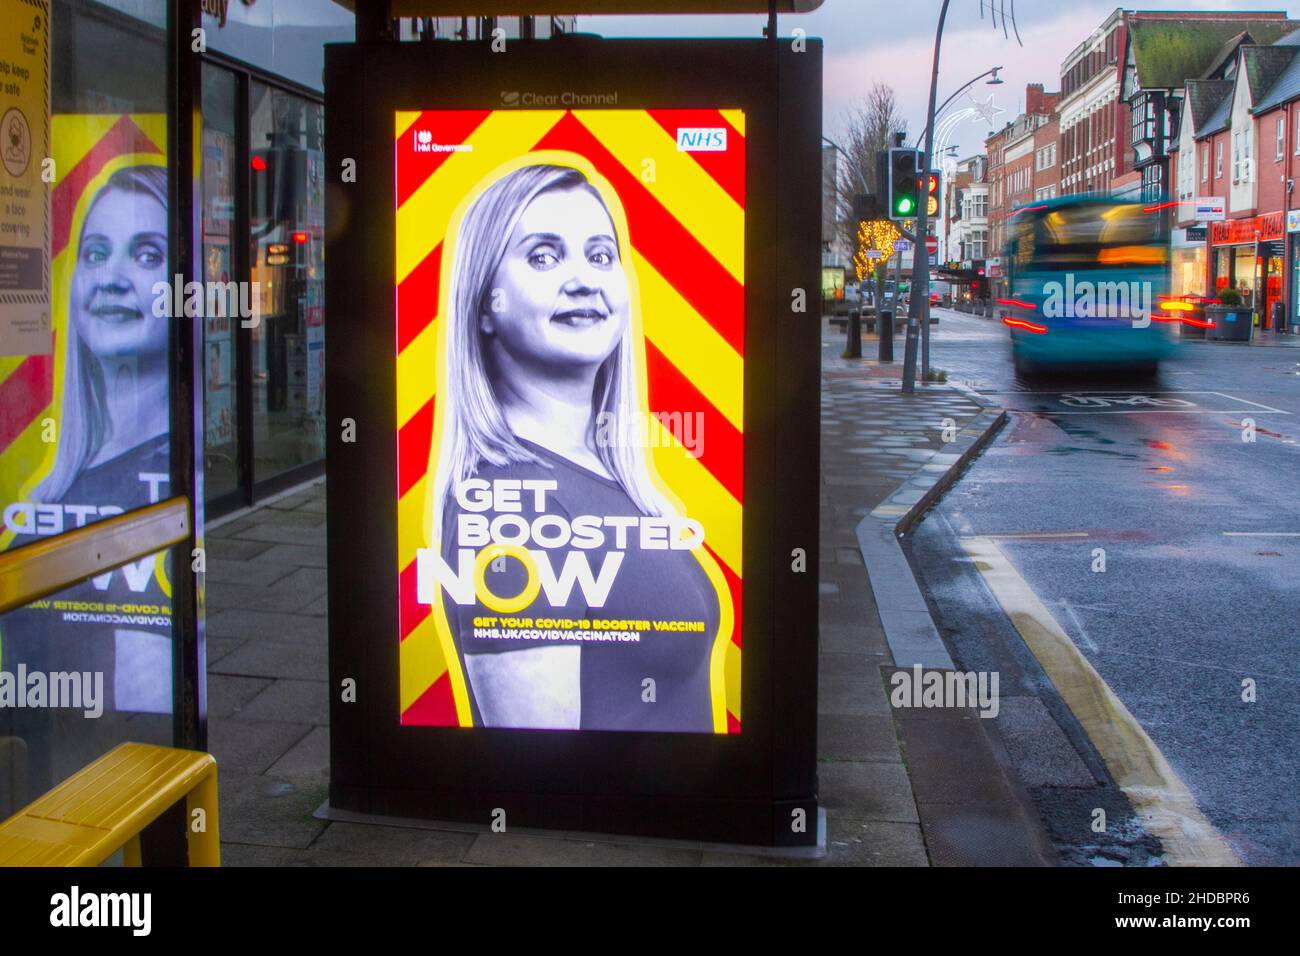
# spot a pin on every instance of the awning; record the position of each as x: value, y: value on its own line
x: 532, y: 8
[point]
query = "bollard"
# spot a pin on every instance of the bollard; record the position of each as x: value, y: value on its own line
x: 885, y: 326
x: 853, y: 349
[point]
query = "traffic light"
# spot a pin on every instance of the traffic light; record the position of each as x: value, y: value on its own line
x: 865, y: 207
x: 904, y: 183
x: 932, y: 183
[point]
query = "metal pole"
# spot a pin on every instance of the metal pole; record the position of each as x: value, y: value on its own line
x: 921, y: 263
x: 185, y: 206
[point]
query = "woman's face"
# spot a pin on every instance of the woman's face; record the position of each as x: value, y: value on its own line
x: 560, y: 297
x: 123, y: 253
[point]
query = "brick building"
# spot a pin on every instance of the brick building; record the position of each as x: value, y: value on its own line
x: 1014, y: 176
x: 1120, y: 89
x: 1239, y: 144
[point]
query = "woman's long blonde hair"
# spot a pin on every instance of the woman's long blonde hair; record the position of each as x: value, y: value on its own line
x: 475, y: 429
x: 84, y: 425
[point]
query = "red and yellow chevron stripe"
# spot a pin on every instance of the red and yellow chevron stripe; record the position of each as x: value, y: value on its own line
x: 87, y: 150
x: 685, y: 214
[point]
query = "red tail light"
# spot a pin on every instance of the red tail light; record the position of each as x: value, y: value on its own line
x: 1022, y: 324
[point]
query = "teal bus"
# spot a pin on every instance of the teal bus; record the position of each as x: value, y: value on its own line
x: 1087, y: 285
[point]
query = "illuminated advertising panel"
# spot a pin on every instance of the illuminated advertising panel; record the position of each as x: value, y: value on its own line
x: 570, y: 341
x: 573, y: 445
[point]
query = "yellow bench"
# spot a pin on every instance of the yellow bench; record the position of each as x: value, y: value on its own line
x: 103, y: 807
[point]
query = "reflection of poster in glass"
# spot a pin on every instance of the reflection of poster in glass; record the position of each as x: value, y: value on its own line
x: 218, y: 204
x: 570, y: 340
x: 93, y: 437
x: 315, y: 369
x: 219, y: 400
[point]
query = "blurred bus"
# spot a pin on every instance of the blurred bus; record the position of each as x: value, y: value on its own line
x: 1087, y: 277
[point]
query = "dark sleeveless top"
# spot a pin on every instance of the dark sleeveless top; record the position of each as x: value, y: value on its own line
x: 650, y: 586
x: 47, y: 638
x: 82, y: 637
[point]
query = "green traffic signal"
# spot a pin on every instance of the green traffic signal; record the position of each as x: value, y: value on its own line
x: 904, y: 206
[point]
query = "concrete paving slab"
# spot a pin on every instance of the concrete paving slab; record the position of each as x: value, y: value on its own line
x: 227, y: 695
x: 269, y: 658
x: 877, y: 791
x: 265, y: 811
x: 397, y: 846
x: 250, y: 746
x: 292, y: 702
x: 856, y: 737
x: 309, y: 757
x: 243, y: 623
x: 864, y: 698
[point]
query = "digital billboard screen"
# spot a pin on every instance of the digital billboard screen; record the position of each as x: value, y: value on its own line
x: 570, y: 341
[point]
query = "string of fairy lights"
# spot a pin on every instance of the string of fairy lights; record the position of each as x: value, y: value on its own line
x: 878, y: 235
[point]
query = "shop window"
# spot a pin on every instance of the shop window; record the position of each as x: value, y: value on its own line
x: 286, y: 255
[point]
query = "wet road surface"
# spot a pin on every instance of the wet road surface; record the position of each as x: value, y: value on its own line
x: 1165, y: 546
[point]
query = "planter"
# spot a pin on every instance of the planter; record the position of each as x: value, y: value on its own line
x: 1232, y: 323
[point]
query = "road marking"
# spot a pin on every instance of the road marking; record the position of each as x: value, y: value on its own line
x: 1163, y: 802
x: 1261, y: 534
x: 1039, y: 535
x: 1234, y: 398
x: 1115, y: 396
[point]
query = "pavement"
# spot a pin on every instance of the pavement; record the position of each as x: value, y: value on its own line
x: 900, y: 786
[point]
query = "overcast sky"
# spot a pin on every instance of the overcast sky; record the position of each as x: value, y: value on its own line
x: 870, y: 40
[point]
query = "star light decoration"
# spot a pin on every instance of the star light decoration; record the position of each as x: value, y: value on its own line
x: 879, y: 234
x: 986, y: 109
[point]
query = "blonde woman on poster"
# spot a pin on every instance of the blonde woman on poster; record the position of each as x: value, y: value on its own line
x: 541, y: 392
x: 112, y: 457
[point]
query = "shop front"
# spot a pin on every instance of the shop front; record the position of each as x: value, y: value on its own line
x: 1247, y: 256
x: 263, y: 206
x: 1293, y: 252
x: 1188, y: 258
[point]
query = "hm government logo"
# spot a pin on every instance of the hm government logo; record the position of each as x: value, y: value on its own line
x: 566, y: 98
x: 423, y: 143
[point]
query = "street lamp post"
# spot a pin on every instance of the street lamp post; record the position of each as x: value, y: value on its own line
x: 920, y: 305
x: 921, y: 266
x: 996, y: 81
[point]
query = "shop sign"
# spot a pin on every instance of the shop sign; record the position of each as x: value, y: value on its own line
x: 1210, y: 209
x: 1196, y: 233
x: 1238, y: 231
x: 1293, y: 220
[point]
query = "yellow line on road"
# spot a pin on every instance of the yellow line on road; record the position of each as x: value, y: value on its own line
x: 1163, y: 802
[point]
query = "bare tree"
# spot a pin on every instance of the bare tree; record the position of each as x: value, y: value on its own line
x: 867, y: 128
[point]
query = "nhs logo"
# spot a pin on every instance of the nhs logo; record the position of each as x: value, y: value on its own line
x: 702, y: 139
